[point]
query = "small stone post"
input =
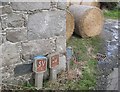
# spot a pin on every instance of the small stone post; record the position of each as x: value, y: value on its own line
x: 53, y: 74
x: 38, y: 80
x: 53, y: 63
x: 39, y: 67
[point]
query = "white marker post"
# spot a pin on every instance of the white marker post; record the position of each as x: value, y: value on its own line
x: 39, y: 67
x: 53, y: 63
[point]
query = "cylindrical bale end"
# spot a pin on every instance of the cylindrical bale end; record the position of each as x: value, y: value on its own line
x: 69, y: 25
x: 89, y: 20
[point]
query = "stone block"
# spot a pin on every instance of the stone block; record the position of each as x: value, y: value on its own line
x: 11, y: 53
x: 16, y: 35
x: 37, y: 47
x: 62, y: 4
x: 46, y: 24
x: 61, y: 44
x: 23, y: 69
x: 53, y: 5
x: 6, y: 9
x: 30, y: 6
x: 13, y: 20
x: 5, y: 2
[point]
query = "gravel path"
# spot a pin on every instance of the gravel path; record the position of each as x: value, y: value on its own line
x: 113, y: 80
x: 108, y: 68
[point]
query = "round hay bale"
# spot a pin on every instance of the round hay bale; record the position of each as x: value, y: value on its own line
x: 69, y: 25
x: 89, y: 20
x: 91, y: 3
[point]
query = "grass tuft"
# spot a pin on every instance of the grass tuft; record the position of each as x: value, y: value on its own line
x: 81, y: 45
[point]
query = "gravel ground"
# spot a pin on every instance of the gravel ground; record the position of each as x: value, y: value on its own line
x: 108, y: 67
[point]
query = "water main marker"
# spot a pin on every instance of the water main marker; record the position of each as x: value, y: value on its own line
x: 39, y: 67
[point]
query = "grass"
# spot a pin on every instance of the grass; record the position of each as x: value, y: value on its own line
x: 88, y: 80
x: 113, y: 14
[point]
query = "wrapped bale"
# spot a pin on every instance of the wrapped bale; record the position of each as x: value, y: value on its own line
x: 89, y: 20
x: 69, y: 25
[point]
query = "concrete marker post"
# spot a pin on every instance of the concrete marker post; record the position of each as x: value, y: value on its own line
x: 39, y: 67
x: 53, y: 74
x: 53, y: 63
x: 39, y: 80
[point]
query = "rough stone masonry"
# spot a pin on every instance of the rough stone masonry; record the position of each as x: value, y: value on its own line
x: 28, y: 29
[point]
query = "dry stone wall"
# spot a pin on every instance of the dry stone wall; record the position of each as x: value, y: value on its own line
x: 28, y: 29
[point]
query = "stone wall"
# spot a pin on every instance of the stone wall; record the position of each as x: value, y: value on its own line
x: 28, y: 29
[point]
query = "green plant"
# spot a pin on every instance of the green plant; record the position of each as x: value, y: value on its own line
x: 114, y: 14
